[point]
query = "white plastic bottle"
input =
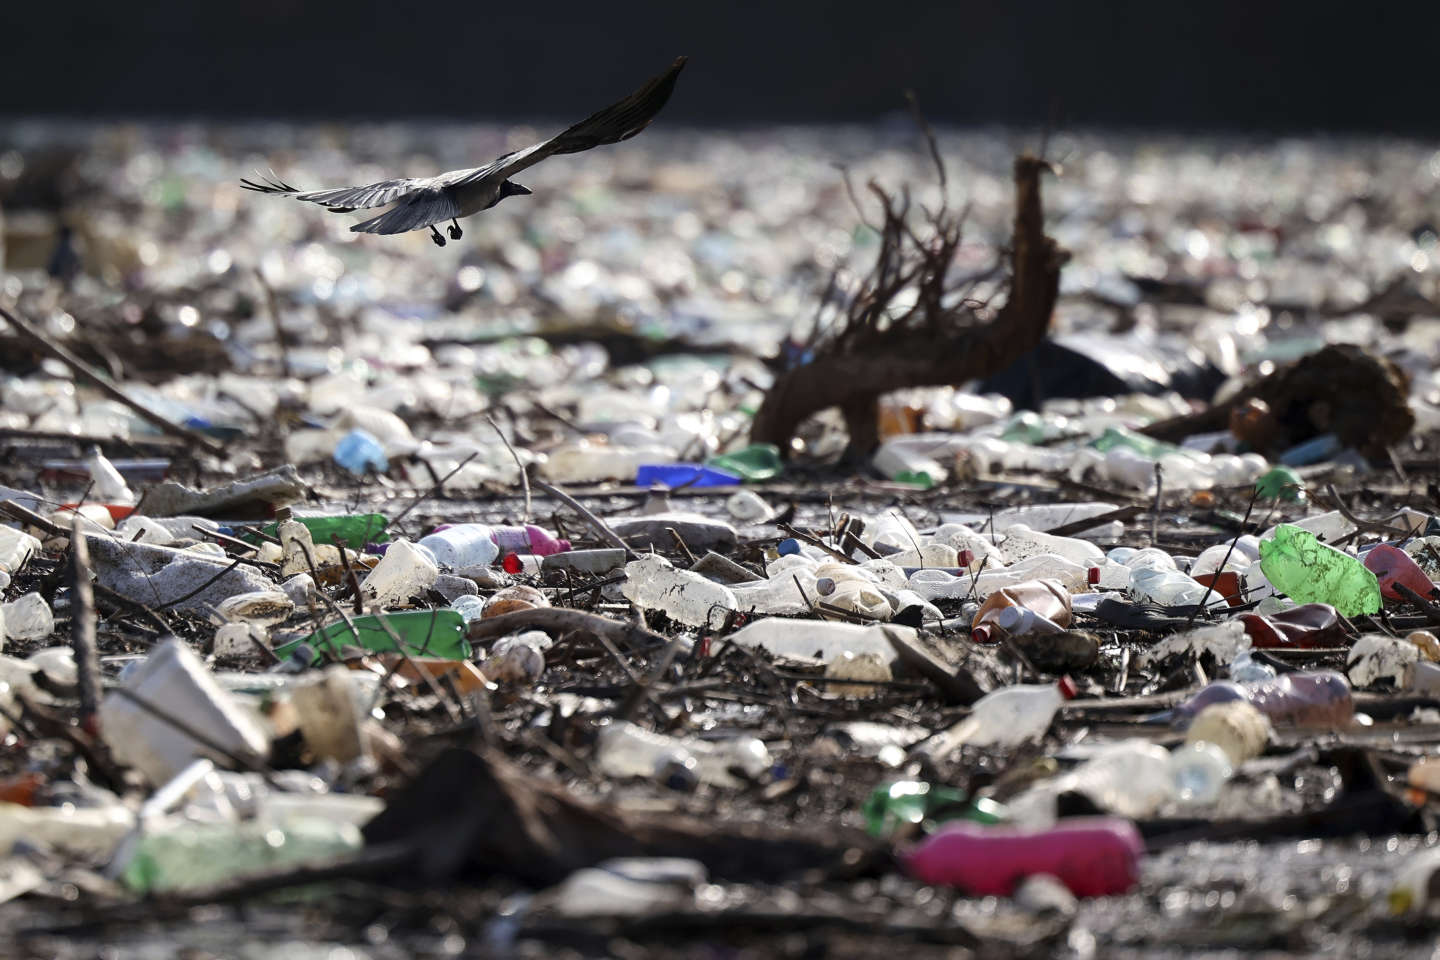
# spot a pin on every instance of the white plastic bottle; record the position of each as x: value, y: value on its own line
x: 110, y: 486
x: 1019, y: 622
x: 296, y: 543
x: 462, y: 545
x: 1170, y: 588
x: 624, y: 749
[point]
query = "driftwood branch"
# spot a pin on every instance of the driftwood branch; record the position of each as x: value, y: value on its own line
x: 938, y: 341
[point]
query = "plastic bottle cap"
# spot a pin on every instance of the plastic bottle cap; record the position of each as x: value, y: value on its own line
x: 1092, y: 576
x: 787, y: 547
x: 825, y: 586
x: 981, y: 634
x: 512, y: 563
x: 283, y: 513
x: 1067, y: 687
x: 966, y: 557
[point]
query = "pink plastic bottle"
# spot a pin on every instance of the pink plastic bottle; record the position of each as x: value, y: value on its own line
x: 1391, y: 565
x: 527, y: 539
x: 1093, y: 856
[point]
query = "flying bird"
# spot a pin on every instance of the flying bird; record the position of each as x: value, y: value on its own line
x: 420, y: 202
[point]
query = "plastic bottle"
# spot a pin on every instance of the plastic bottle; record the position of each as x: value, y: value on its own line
x: 1249, y: 672
x: 1392, y: 566
x: 1092, y: 856
x: 428, y: 633
x: 1236, y: 727
x: 1132, y: 778
x: 527, y: 539
x: 820, y: 639
x: 462, y: 545
x: 109, y: 485
x: 754, y: 464
x: 359, y: 451
x: 469, y: 607
x: 780, y: 594
x: 1242, y: 552
x: 1046, y: 597
x: 585, y: 462
x: 624, y: 749
x: 1308, y: 571
x: 1198, y: 769
x: 747, y: 506
x: 405, y: 571
x: 846, y: 586
x: 653, y: 583
x: 193, y: 855
x: 924, y: 804
x: 16, y: 548
x: 1019, y: 621
x: 1308, y: 625
x: 1021, y: 543
x: 1328, y: 527
x: 27, y: 618
x: 354, y: 530
x: 1170, y: 588
x: 1310, y: 698
x: 1012, y: 715
x: 903, y: 463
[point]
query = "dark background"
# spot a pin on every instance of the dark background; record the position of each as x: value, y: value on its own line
x: 1284, y: 66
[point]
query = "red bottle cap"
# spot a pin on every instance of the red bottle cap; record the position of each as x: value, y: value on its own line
x: 512, y: 563
x: 1092, y: 576
x: 981, y: 634
x: 966, y: 558
x: 1067, y: 688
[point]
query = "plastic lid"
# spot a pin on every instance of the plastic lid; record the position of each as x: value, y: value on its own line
x: 1092, y: 576
x: 786, y: 547
x: 1067, y: 687
x: 512, y: 563
x: 966, y: 557
x: 981, y: 634
x: 1007, y: 618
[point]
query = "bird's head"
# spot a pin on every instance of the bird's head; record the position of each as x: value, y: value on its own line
x: 512, y: 189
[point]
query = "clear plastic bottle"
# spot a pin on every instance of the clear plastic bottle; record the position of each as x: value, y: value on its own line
x: 1248, y: 672
x: 1022, y: 543
x: 110, y: 486
x: 823, y: 640
x: 653, y: 583
x: 1011, y: 715
x: 1198, y: 770
x: 16, y: 547
x: 193, y: 855
x: 1132, y: 778
x: 624, y: 749
x: 469, y: 607
x: 1170, y: 588
x: 1018, y: 621
x: 847, y: 587
x: 406, y: 571
x: 781, y: 594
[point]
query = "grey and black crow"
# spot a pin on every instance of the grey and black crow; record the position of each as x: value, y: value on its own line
x: 420, y: 202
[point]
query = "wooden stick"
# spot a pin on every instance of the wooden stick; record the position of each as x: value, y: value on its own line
x: 596, y: 524
x: 82, y: 623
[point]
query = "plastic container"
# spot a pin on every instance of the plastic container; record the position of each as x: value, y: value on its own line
x: 819, y: 639
x: 109, y: 485
x: 1392, y: 566
x: 1132, y: 778
x: 1092, y: 857
x: 1308, y: 571
x: 1011, y: 715
x: 1310, y: 698
x: 1171, y: 588
x: 193, y: 855
x: 1022, y: 543
x: 16, y: 548
x: 926, y: 805
x: 848, y: 588
x: 683, y: 475
x: 1198, y: 770
x: 1018, y: 621
x: 1236, y: 728
x: 755, y: 463
x: 1308, y: 625
x: 527, y: 539
x: 1048, y: 598
x: 296, y: 543
x: 425, y: 633
x: 462, y: 545
x: 653, y: 583
x: 173, y: 679
x: 360, y: 451
x: 405, y: 571
x: 27, y: 618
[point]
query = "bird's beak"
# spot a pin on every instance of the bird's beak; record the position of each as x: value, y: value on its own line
x: 520, y: 191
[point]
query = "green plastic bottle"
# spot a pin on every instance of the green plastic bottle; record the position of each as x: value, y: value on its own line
x: 354, y: 530
x: 759, y: 461
x: 1145, y: 446
x: 914, y: 801
x: 1308, y: 571
x: 199, y: 855
x: 425, y: 633
x: 1281, y: 483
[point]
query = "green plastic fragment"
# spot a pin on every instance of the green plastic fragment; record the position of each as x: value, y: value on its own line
x: 354, y: 530
x: 1308, y: 571
x: 1145, y: 446
x: 919, y: 479
x: 1281, y: 483
x: 914, y: 801
x: 759, y: 461
x: 425, y: 633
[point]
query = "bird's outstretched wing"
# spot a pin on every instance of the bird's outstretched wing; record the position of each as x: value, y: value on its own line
x: 340, y: 199
x: 419, y: 208
x: 619, y: 121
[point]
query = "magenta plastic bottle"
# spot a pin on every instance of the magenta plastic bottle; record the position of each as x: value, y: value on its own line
x: 1092, y: 856
x: 528, y: 539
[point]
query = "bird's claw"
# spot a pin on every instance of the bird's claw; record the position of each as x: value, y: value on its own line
x: 455, y: 232
x: 439, y: 240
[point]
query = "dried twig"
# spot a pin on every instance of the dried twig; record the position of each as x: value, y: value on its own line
x: 599, y: 526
